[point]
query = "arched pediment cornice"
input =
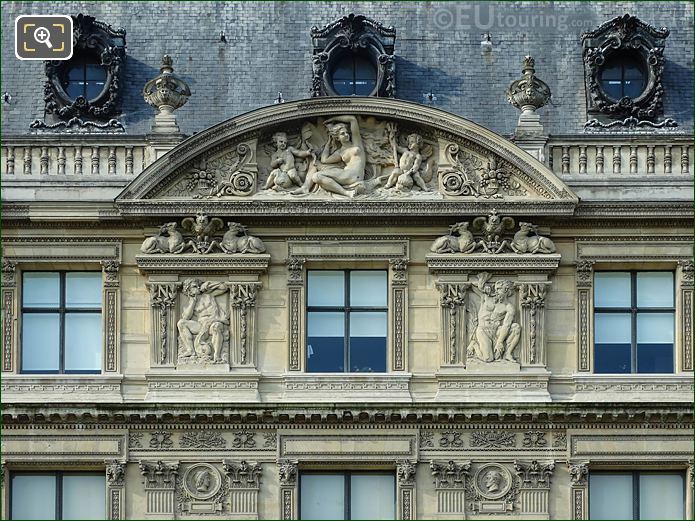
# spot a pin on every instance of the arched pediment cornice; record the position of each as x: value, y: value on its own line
x: 466, y: 169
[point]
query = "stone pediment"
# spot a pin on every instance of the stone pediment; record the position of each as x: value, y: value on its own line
x: 347, y: 156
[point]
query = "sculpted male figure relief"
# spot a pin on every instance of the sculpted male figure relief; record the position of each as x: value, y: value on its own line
x: 496, y: 335
x: 202, y: 324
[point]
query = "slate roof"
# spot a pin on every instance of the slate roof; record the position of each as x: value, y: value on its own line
x: 268, y: 49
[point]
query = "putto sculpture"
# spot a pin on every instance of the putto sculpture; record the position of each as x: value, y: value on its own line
x: 202, y: 231
x: 490, y: 231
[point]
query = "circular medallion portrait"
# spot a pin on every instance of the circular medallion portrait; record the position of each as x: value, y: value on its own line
x: 493, y: 481
x: 202, y: 481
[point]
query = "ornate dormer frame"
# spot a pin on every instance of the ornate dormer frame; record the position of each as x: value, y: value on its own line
x: 89, y: 36
x: 353, y: 33
x: 625, y: 34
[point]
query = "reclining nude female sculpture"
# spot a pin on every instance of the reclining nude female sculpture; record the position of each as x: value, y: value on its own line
x: 345, y: 139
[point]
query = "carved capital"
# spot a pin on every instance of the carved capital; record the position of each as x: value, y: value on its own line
x: 578, y: 473
x: 532, y: 295
x: 405, y: 472
x: 115, y: 473
x: 287, y: 472
x: 8, y: 273
x: 399, y: 273
x: 452, y: 295
x: 159, y: 474
x: 687, y: 279
x: 243, y: 474
x: 534, y: 474
x: 163, y: 295
x: 450, y: 474
x: 585, y: 269
x: 110, y: 269
x: 243, y: 295
x: 295, y: 268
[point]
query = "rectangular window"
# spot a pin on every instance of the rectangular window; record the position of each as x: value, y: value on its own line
x: 634, y: 322
x: 347, y: 495
x: 61, y: 322
x: 636, y: 495
x: 58, y: 495
x: 346, y: 321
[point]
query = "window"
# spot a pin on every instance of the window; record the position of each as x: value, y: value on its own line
x: 634, y: 322
x: 354, y: 75
x: 623, y: 76
x: 346, y: 321
x: 61, y: 322
x: 636, y: 495
x: 347, y: 495
x: 58, y: 495
x: 85, y: 77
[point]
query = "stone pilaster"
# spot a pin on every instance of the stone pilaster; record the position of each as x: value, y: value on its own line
x: 9, y: 314
x: 288, y: 475
x: 579, y: 489
x: 585, y: 287
x: 160, y: 486
x: 242, y: 299
x: 685, y: 276
x: 453, y: 312
x: 115, y: 489
x: 532, y: 304
x: 163, y: 298
x: 398, y: 310
x: 296, y: 299
x: 405, y: 489
x: 111, y: 307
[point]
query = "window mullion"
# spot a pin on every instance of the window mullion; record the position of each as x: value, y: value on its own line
x: 346, y: 318
x: 61, y: 327
x: 59, y: 495
x: 635, y: 495
x: 348, y: 493
x: 633, y: 320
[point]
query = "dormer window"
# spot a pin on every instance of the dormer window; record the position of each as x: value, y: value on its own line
x: 353, y: 56
x: 623, y: 68
x: 88, y: 85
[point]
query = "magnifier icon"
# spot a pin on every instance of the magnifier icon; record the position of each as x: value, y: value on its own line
x: 42, y: 35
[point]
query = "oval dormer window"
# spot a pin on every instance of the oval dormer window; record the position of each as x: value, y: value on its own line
x: 84, y: 76
x: 623, y: 76
x: 354, y: 74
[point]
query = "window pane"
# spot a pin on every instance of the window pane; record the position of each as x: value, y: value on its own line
x: 368, y: 288
x: 655, y: 342
x: 368, y: 342
x: 610, y: 496
x: 322, y: 496
x: 611, y: 289
x: 41, y: 290
x: 84, y: 497
x: 655, y: 289
x: 33, y: 497
x: 93, y: 89
x: 373, y: 496
x: 40, y: 342
x: 661, y: 496
x: 612, y: 342
x: 83, y: 290
x: 326, y: 288
x: 325, y: 342
x: 95, y: 72
x: 82, y: 341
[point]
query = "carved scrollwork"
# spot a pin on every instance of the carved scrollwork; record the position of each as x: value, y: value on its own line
x: 90, y: 37
x: 469, y: 177
x: 625, y: 37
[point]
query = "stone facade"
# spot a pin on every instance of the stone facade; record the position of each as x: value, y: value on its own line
x: 490, y: 406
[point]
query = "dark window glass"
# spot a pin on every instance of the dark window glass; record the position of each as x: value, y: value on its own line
x: 85, y: 77
x: 354, y: 74
x: 636, y: 495
x: 58, y: 495
x: 634, y: 322
x: 623, y: 76
x: 61, y: 322
x: 346, y: 321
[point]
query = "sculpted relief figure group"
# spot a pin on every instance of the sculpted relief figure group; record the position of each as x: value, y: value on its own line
x: 348, y: 156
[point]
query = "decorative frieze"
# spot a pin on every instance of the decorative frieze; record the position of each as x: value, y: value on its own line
x: 492, y: 439
x: 202, y: 440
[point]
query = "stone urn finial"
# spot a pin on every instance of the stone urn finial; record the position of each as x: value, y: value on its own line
x: 166, y: 93
x: 528, y: 94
